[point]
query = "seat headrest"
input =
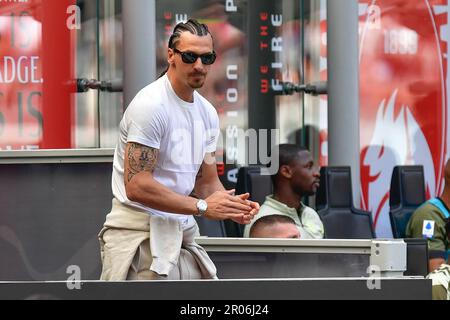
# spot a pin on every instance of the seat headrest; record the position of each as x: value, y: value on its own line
x: 407, y: 186
x: 252, y: 181
x: 261, y: 187
x: 335, y: 188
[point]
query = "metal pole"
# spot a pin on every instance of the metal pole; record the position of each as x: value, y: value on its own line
x: 343, y: 94
x: 139, y: 36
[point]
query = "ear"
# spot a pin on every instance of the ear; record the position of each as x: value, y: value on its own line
x: 170, y: 56
x: 286, y: 172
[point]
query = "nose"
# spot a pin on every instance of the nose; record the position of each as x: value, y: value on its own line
x: 317, y: 172
x: 198, y: 65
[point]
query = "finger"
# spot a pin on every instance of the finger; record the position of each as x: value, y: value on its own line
x: 251, y: 215
x: 237, y: 199
x: 256, y: 208
x: 232, y: 211
x: 244, y: 196
x: 241, y: 221
x: 246, y: 221
x: 255, y: 205
x: 231, y: 192
x: 236, y: 205
x: 236, y: 220
x: 235, y: 217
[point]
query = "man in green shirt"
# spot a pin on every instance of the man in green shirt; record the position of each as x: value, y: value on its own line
x: 296, y: 178
x: 441, y: 277
x: 429, y: 221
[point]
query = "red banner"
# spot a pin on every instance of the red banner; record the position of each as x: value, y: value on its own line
x: 403, y: 97
x: 37, y: 67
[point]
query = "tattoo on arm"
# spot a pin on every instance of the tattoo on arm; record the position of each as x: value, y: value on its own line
x: 200, y: 173
x: 140, y: 158
x: 193, y: 194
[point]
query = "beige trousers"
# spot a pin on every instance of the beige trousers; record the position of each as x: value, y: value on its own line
x: 140, y: 267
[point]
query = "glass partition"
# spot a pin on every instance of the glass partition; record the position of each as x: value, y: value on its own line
x: 110, y: 69
x: 45, y: 47
x: 259, y: 43
x: 99, y: 57
x: 85, y: 126
x: 315, y: 65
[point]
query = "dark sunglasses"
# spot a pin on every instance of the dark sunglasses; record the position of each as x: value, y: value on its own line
x: 190, y: 57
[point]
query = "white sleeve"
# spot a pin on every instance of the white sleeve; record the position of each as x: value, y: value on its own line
x: 212, y: 136
x: 147, y: 124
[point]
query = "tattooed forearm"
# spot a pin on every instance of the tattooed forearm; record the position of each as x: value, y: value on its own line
x: 140, y: 158
x: 194, y: 195
x: 199, y: 173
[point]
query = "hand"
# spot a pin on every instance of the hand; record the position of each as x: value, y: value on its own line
x: 223, y: 205
x: 255, y: 205
x: 247, y: 218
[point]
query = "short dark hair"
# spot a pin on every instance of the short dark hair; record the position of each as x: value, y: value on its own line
x: 287, y: 153
x: 270, y: 220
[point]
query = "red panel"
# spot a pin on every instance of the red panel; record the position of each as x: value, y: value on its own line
x: 403, y: 95
x: 36, y: 71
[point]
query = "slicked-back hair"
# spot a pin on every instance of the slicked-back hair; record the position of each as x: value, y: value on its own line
x: 287, y: 154
x: 192, y: 26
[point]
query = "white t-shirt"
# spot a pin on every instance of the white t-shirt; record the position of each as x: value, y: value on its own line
x: 183, y: 132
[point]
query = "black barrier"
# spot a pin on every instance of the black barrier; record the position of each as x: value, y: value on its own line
x: 257, y: 290
x: 50, y: 217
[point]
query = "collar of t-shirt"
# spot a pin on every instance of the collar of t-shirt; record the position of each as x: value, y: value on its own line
x: 171, y: 92
x: 279, y: 206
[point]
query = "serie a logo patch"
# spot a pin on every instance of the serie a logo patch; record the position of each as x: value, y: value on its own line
x: 428, y: 229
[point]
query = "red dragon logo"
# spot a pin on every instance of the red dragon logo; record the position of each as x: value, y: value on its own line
x: 403, y: 97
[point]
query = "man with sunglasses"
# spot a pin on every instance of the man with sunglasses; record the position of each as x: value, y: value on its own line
x: 165, y: 154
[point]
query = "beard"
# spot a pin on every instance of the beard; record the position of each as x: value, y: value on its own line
x: 196, y: 80
x: 305, y: 191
